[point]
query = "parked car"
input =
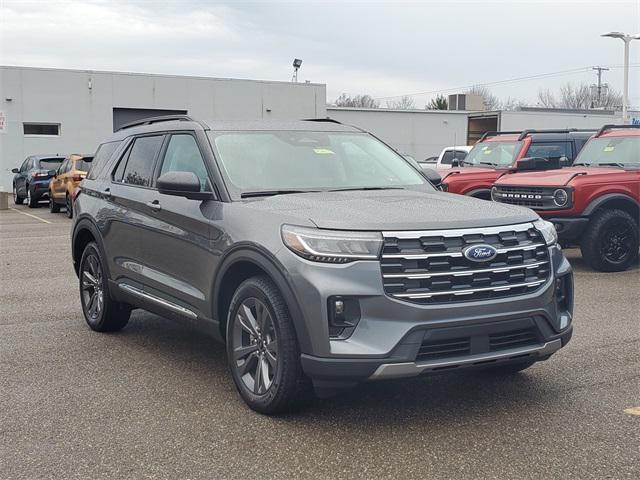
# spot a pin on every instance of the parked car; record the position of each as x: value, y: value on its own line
x: 594, y: 204
x: 66, y: 179
x: 31, y: 180
x: 325, y: 260
x: 497, y: 153
x: 449, y: 157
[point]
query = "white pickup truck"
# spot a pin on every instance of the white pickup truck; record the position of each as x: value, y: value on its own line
x: 449, y: 156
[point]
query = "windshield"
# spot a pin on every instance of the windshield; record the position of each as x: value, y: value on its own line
x: 497, y: 154
x: 277, y: 161
x: 610, y: 151
x: 50, y: 163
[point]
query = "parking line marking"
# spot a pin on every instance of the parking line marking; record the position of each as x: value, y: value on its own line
x: 29, y: 215
x: 632, y: 411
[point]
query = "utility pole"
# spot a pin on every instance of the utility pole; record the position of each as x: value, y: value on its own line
x: 599, y: 86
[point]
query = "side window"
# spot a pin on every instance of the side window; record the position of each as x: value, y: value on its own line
x: 25, y: 165
x: 101, y: 157
x: 183, y: 155
x: 139, y: 162
x: 552, y: 150
x: 63, y: 167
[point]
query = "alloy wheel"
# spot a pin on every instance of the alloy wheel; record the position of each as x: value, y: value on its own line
x: 616, y: 243
x: 92, y: 291
x: 255, y: 346
x: 15, y: 195
x: 28, y: 196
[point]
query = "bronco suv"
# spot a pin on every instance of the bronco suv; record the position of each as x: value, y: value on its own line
x: 594, y: 204
x: 497, y: 153
x: 317, y: 253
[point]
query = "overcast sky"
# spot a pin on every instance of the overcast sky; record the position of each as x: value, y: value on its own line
x: 380, y: 48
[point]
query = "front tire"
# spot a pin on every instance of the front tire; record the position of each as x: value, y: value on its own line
x: 101, y: 313
x: 610, y: 243
x: 17, y: 199
x: 262, y: 348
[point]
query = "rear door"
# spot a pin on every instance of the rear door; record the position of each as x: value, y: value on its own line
x: 21, y: 177
x: 129, y: 191
x: 175, y: 255
x: 58, y: 182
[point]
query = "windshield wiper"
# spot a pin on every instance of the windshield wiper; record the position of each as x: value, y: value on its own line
x: 349, y: 189
x: 610, y: 164
x: 268, y: 193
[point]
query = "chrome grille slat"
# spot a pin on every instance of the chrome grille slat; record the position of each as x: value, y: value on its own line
x: 429, y: 267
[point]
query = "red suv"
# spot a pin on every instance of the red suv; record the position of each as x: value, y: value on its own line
x: 594, y: 204
x: 496, y: 153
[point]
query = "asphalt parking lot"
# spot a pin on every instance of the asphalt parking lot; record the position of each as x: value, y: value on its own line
x: 155, y: 400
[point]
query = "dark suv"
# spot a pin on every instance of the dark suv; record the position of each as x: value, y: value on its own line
x: 316, y: 252
x: 31, y: 180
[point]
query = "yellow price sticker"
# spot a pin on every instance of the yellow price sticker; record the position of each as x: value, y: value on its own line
x: 609, y: 149
x: 323, y: 151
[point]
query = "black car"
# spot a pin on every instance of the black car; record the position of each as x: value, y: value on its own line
x: 31, y: 180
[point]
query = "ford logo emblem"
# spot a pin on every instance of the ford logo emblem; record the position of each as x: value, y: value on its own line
x: 480, y: 253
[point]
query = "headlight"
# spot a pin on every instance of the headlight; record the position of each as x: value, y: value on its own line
x: 332, y: 246
x: 547, y: 230
x: 560, y: 197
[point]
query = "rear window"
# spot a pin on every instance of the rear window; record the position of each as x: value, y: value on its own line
x: 50, y: 163
x: 82, y: 165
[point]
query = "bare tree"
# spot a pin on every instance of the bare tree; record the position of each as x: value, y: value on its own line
x: 490, y: 101
x: 580, y: 97
x: 512, y: 104
x: 403, y: 103
x: 439, y: 102
x: 358, y: 101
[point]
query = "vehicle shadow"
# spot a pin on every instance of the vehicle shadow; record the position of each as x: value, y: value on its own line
x: 438, y: 399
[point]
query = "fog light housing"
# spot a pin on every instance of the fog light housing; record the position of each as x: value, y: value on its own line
x: 344, y: 315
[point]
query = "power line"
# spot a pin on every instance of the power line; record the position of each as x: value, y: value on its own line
x: 502, y: 82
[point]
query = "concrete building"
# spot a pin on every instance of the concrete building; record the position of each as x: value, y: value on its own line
x: 64, y: 111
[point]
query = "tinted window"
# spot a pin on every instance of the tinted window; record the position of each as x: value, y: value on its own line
x: 102, y: 156
x: 140, y: 161
x: 183, y: 155
x: 49, y: 163
x: 449, y: 155
x: 48, y: 129
x: 552, y: 150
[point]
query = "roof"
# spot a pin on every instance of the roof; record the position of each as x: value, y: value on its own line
x: 47, y: 157
x: 619, y: 131
x: 158, y: 124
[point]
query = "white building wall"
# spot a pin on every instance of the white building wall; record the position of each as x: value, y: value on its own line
x: 520, y: 120
x: 82, y: 103
x: 419, y: 133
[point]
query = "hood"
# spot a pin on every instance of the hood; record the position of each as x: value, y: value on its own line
x: 391, y: 210
x: 554, y: 178
x: 471, y: 173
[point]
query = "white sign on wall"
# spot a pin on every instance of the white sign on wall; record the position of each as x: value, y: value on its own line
x: 3, y: 122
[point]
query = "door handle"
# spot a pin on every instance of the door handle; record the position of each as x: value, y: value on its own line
x: 155, y: 206
x: 107, y: 192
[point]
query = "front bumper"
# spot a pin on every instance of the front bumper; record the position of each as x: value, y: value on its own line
x: 569, y: 229
x: 391, y: 333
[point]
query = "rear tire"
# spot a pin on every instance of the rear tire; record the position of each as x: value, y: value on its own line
x: 53, y: 206
x: 101, y: 312
x: 31, y: 201
x: 262, y: 348
x: 610, y: 243
x: 69, y: 206
x: 17, y: 199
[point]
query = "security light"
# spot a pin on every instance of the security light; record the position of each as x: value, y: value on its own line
x: 297, y: 63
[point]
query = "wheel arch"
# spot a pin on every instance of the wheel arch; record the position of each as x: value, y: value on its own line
x: 246, y: 261
x: 614, y: 201
x: 85, y: 232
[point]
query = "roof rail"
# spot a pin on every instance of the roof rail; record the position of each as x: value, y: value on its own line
x: 529, y: 131
x: 150, y: 120
x: 495, y: 134
x: 612, y: 126
x: 326, y: 119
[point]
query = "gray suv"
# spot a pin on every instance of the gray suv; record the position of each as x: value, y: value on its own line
x: 316, y: 252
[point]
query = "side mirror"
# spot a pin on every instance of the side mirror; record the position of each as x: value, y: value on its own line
x: 182, y: 184
x: 52, y: 173
x: 434, y: 177
x: 455, y: 162
x: 537, y: 163
x: 564, y: 162
x: 15, y: 170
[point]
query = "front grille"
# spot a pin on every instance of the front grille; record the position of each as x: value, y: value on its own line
x: 478, y: 343
x: 540, y: 198
x: 429, y: 267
